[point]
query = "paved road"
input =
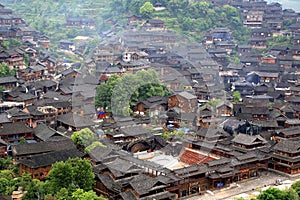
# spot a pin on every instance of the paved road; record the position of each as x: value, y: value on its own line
x: 247, y: 186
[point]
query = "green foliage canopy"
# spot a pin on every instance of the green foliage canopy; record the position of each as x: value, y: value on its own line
x: 236, y: 96
x: 5, y: 70
x: 80, y: 194
x: 84, y: 137
x: 147, y: 9
x: 296, y: 187
x: 276, y: 194
x: 72, y: 174
x: 119, y: 94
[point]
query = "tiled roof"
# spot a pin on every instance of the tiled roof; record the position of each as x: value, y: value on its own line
x: 42, y: 147
x: 47, y: 159
x: 249, y: 139
x: 191, y: 157
x: 44, y: 132
x: 288, y: 146
x: 8, y: 79
x: 75, y: 120
x: 187, y: 95
x: 14, y: 128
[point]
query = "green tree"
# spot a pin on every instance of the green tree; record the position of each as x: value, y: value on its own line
x: 83, y: 173
x: 147, y: 9
x: 230, y: 11
x: 290, y: 194
x: 62, y: 194
x: 187, y: 24
x: 133, y: 88
x: 236, y: 96
x: 71, y: 174
x: 296, y: 187
x: 276, y: 194
x: 104, y: 93
x: 84, y: 137
x: 8, y: 174
x: 214, y: 102
x: 22, y: 140
x: 5, y: 163
x: 135, y: 6
x: 93, y: 145
x: 26, y: 59
x: 176, y: 5
x: 122, y: 93
x: 60, y: 176
x: 80, y: 194
x: 13, y: 42
x: 5, y: 70
x: 4, y: 184
x: 35, y: 188
x: 5, y: 45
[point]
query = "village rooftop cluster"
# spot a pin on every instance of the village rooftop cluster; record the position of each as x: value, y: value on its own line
x: 225, y: 138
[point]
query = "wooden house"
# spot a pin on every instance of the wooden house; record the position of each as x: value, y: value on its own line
x: 295, y: 28
x: 80, y: 22
x: 72, y: 121
x: 25, y: 32
x: 258, y: 42
x: 286, y: 157
x: 31, y: 74
x: 14, y: 58
x: 152, y: 23
x: 254, y: 19
x: 211, y: 134
x: 6, y: 32
x: 224, y: 109
x: 104, y: 70
x: 152, y: 106
x: 205, y: 116
x: 17, y: 115
x: 70, y: 73
x: 127, y: 134
x: 197, y: 183
x: 221, y: 34
x: 289, y: 14
x: 295, y: 40
x: 253, y: 107
x: 183, y: 100
x: 243, y: 48
x: 50, y: 62
x: 66, y: 45
x: 279, y: 50
x: 287, y: 133
x: 245, y: 142
x: 43, y: 133
x: 295, y: 51
x: 22, y: 151
x: 261, y: 32
x: 15, y: 96
x: 5, y: 11
x: 13, y: 132
x: 107, y: 54
x: 44, y: 41
x: 275, y: 25
x: 245, y: 166
x: 269, y: 59
x: 8, y: 82
x: 38, y: 166
x: 112, y: 172
x: 262, y: 77
x: 134, y: 18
